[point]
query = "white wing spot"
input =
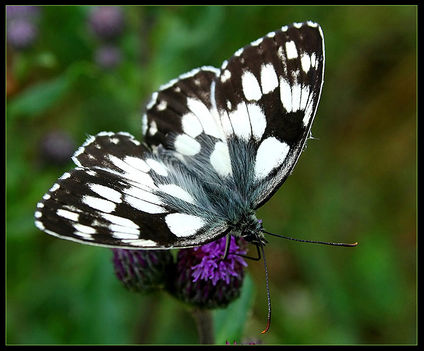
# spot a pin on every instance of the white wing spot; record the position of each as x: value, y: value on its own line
x: 291, y: 50
x: 99, y: 204
x: 162, y: 105
x: 137, y: 163
x: 144, y: 124
x: 159, y: 168
x: 207, y: 120
x: 220, y: 159
x: 153, y: 128
x: 251, y: 88
x: 191, y: 125
x: 306, y: 62
x: 225, y: 76
x: 139, y: 242
x: 143, y: 205
x: 271, y: 154
x: 269, y: 79
x: 308, y: 113
x: 225, y: 123
x: 68, y: 214
x: 239, y: 52
x: 240, y: 121
x: 176, y: 191
x: 124, y: 222
x: 186, y: 145
x: 183, y: 225
x: 84, y: 229
x: 152, y: 101
x: 285, y: 94
x: 305, y: 96
x: 121, y: 236
x: 106, y: 192
x: 296, y: 90
x: 257, y: 42
x: 257, y: 120
x: 54, y: 187
x: 143, y: 194
x: 39, y: 225
x: 130, y: 172
x: 65, y: 175
x: 313, y: 60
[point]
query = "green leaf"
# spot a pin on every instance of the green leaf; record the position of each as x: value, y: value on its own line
x: 38, y: 98
x: 229, y: 322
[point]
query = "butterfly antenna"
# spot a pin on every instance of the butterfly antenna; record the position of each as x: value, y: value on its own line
x: 268, y: 324
x: 311, y: 241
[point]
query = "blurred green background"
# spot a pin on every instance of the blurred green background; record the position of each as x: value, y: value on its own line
x: 357, y: 182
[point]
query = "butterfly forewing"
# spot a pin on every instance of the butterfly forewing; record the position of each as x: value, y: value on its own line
x: 181, y: 111
x: 267, y: 94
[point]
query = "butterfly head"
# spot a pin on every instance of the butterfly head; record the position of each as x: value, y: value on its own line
x: 250, y: 228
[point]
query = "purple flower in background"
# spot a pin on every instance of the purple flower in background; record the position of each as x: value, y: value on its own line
x: 21, y: 33
x: 108, y: 56
x: 57, y: 147
x: 21, y: 27
x: 204, y: 279
x: 107, y: 22
x: 27, y: 12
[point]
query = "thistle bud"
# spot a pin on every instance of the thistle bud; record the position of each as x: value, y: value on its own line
x: 108, y: 56
x: 142, y: 270
x: 107, y: 22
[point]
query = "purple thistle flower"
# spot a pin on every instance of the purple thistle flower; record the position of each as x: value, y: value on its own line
x: 19, y: 11
x: 57, y: 147
x: 21, y: 33
x: 108, y: 56
x: 211, y: 267
x: 107, y: 22
x: 204, y: 279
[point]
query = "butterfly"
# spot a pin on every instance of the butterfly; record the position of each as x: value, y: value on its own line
x: 217, y: 144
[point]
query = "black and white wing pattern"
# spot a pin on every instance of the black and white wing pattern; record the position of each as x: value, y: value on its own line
x: 217, y: 144
x: 264, y: 97
x: 267, y: 94
x: 122, y: 195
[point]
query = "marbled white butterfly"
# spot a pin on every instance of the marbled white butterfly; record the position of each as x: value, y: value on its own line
x: 217, y: 144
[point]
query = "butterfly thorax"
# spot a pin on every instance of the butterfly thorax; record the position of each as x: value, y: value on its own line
x: 250, y: 229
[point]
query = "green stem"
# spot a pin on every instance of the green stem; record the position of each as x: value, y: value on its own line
x: 204, y: 323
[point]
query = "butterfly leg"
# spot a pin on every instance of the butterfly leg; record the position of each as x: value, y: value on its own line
x: 227, y: 247
x: 259, y: 256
